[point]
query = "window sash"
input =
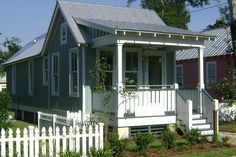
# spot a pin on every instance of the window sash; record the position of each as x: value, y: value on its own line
x: 73, y: 72
x: 131, y: 72
x: 55, y: 74
x: 45, y: 70
x: 179, y: 74
x: 211, y: 71
x: 107, y: 57
x: 13, y: 79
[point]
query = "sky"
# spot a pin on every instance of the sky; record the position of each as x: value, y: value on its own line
x: 27, y: 19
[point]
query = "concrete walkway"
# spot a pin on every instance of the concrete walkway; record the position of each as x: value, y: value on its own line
x: 232, y: 137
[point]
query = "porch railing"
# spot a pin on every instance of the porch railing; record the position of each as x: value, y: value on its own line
x: 207, y: 106
x: 149, y: 100
x: 191, y: 94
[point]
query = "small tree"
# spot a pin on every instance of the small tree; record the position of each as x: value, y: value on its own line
x: 226, y: 88
x: 99, y: 75
x: 5, y: 103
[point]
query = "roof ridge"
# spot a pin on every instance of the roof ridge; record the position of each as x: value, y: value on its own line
x: 104, y: 5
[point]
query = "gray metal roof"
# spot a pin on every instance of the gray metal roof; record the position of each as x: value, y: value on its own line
x: 32, y: 49
x: 221, y: 46
x: 72, y: 10
x: 111, y: 26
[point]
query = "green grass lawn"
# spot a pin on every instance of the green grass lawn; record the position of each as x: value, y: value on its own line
x: 216, y: 153
x: 20, y: 124
x: 228, y: 127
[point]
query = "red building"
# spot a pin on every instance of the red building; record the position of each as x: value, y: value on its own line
x: 218, y: 60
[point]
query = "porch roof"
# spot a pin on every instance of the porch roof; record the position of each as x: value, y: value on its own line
x: 125, y: 26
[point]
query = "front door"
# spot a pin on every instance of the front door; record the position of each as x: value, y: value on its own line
x: 155, y: 70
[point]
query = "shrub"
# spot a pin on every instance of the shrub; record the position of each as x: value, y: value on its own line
x: 100, y: 153
x: 70, y: 154
x: 193, y: 136
x: 143, y: 141
x: 117, y: 145
x: 5, y: 103
x: 225, y: 140
x: 182, y: 146
x: 168, y: 138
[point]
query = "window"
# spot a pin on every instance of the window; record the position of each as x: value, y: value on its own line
x: 45, y: 70
x: 13, y: 79
x: 55, y: 74
x: 211, y: 71
x: 132, y: 67
x: 63, y: 33
x: 107, y: 57
x: 179, y: 74
x: 73, y: 75
x: 30, y: 77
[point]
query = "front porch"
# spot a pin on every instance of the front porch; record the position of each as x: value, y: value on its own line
x: 149, y: 60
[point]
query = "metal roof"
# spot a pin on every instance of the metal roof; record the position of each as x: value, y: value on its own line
x: 112, y: 26
x: 32, y: 49
x: 221, y: 46
x: 72, y: 10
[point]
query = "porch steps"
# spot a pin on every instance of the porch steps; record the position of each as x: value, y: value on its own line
x: 201, y: 124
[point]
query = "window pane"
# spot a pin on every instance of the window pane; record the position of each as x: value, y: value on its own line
x: 108, y: 82
x: 131, y: 61
x: 55, y: 82
x: 132, y: 77
x: 107, y: 57
x: 74, y: 82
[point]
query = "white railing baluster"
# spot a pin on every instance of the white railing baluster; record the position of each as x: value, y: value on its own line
x: 25, y: 142
x: 101, y: 135
x: 43, y: 142
x: 10, y: 142
x: 36, y: 142
x: 18, y: 142
x: 96, y: 136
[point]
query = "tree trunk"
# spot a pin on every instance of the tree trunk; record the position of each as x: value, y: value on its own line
x: 232, y: 8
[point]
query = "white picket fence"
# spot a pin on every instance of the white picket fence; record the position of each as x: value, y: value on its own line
x: 32, y: 143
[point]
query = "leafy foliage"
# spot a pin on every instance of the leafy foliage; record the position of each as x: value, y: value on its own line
x: 116, y: 145
x: 226, y: 88
x: 5, y: 103
x: 100, y: 153
x: 143, y: 141
x: 12, y: 45
x: 193, y: 136
x: 172, y: 12
x: 168, y: 138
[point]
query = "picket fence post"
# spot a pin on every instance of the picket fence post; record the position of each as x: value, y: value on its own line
x: 101, y: 135
x: 10, y: 142
x: 77, y: 139
x: 36, y: 142
x: 3, y: 143
x: 18, y: 145
x: 50, y: 141
x: 57, y: 141
x: 43, y: 141
x: 64, y: 139
x: 25, y: 142
x: 31, y: 141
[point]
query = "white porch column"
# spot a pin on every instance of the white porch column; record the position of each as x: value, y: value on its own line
x: 201, y: 68
x: 121, y: 108
x: 201, y: 84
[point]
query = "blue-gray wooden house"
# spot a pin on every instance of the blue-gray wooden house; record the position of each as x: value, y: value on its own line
x: 51, y: 73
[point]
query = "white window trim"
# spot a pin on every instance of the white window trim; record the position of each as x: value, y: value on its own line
x: 54, y: 93
x: 179, y: 66
x: 45, y: 83
x: 207, y: 72
x: 71, y: 93
x: 63, y: 26
x: 30, y: 78
x: 13, y: 85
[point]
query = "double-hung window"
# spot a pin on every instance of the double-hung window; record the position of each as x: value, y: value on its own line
x: 131, y: 72
x: 107, y: 58
x: 179, y: 74
x: 55, y: 74
x: 13, y: 83
x: 73, y: 75
x: 63, y: 33
x: 45, y: 70
x: 30, y: 77
x: 211, y: 71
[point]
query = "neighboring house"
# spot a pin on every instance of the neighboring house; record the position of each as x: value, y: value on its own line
x: 3, y: 82
x: 53, y: 75
x: 218, y: 60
